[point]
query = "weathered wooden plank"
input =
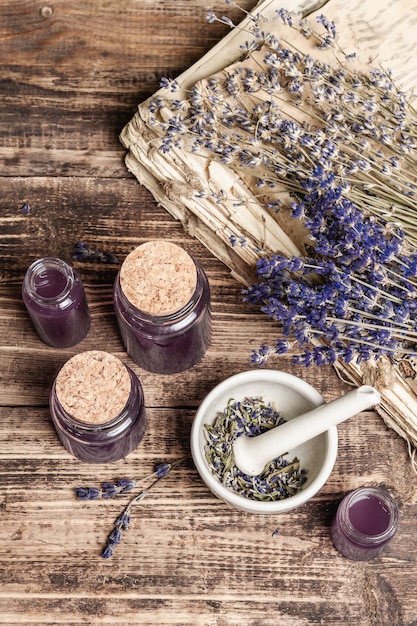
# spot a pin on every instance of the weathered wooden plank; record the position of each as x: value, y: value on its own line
x: 74, y: 75
x: 111, y: 214
x: 104, y: 35
x: 182, y: 538
x: 211, y: 611
x: 108, y: 214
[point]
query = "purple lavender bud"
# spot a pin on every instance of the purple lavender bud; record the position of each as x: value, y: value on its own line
x: 169, y: 83
x: 115, y: 537
x: 81, y: 251
x: 125, y: 484
x: 109, y: 490
x: 108, y: 257
x: 123, y: 521
x: 107, y: 552
x: 162, y: 469
x: 94, y: 493
x: 87, y: 493
x: 282, y: 346
x: 81, y: 493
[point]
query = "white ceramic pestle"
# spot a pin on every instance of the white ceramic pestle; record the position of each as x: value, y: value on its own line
x: 251, y: 454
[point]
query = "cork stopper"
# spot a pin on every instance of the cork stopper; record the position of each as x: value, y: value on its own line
x: 158, y: 277
x: 93, y: 387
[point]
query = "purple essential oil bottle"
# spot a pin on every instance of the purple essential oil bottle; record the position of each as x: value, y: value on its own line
x: 366, y: 520
x: 54, y: 297
x: 97, y: 407
x: 162, y: 302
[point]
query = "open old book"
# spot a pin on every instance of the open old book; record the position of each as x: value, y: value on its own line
x: 221, y: 206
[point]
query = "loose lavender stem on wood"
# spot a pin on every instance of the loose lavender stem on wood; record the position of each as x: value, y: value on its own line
x: 122, y: 486
x: 83, y: 252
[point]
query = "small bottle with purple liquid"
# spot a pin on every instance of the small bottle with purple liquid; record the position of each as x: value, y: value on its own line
x: 162, y: 302
x: 366, y: 520
x: 54, y: 297
x: 97, y: 407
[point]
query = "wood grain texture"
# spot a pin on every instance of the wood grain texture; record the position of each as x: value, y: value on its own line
x: 69, y: 82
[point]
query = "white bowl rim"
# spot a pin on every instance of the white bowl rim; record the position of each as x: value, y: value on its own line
x: 234, y: 499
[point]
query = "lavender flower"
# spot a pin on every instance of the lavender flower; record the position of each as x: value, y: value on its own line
x: 344, y: 148
x: 82, y: 252
x: 121, y: 487
x: 87, y: 493
x: 162, y: 469
x: 122, y: 524
x: 363, y: 313
x: 211, y: 17
x: 170, y: 84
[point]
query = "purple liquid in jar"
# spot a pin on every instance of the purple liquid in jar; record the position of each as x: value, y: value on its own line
x: 50, y: 283
x: 167, y: 337
x: 111, y: 422
x: 366, y: 520
x: 369, y: 515
x: 55, y: 300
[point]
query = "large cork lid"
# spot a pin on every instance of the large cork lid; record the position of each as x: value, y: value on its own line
x: 158, y: 277
x: 93, y: 387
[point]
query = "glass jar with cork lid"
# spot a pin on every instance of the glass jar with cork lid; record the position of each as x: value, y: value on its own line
x: 162, y: 302
x: 97, y: 407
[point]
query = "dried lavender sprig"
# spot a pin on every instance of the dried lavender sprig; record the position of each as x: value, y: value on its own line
x: 350, y: 165
x: 366, y: 112
x: 124, y: 485
x: 83, y: 252
x: 122, y: 524
x: 353, y: 317
x: 365, y: 304
x: 123, y: 520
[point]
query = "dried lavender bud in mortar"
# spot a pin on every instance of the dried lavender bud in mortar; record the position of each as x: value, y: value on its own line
x: 280, y: 479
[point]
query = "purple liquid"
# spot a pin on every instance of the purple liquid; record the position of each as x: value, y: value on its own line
x: 166, y: 344
x: 103, y: 443
x: 50, y: 283
x: 369, y: 516
x: 365, y: 522
x: 54, y: 297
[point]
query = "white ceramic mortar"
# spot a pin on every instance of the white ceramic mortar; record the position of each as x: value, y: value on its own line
x: 292, y: 397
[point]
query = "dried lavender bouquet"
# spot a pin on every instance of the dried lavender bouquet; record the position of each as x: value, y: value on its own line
x: 291, y: 159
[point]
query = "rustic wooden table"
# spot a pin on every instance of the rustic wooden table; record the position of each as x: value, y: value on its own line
x: 72, y: 74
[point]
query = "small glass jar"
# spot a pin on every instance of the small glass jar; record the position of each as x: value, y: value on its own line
x: 97, y: 407
x: 366, y: 520
x: 54, y: 297
x: 162, y: 302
